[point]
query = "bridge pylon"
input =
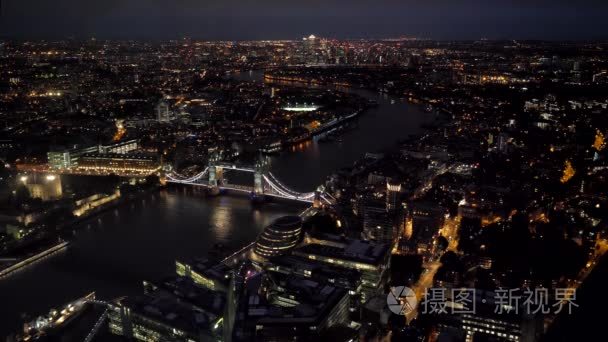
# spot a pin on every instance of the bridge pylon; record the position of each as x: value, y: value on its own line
x: 260, y: 169
x: 317, y: 200
x: 215, y: 173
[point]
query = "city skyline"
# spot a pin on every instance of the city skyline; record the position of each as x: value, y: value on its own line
x: 245, y: 20
x: 194, y: 171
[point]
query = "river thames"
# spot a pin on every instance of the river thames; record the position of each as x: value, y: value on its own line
x: 114, y: 251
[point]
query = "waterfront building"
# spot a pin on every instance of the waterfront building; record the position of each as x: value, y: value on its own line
x: 94, y: 202
x: 65, y: 159
x: 119, y: 164
x: 44, y: 187
x: 163, y: 318
x: 279, y: 237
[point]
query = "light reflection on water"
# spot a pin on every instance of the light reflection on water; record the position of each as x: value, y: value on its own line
x: 125, y: 245
x: 142, y: 239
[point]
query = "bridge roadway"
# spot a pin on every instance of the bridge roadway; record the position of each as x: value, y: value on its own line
x: 271, y: 186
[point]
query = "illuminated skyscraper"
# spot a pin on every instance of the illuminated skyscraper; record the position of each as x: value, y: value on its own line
x: 311, y: 43
x: 163, y: 112
x: 392, y: 195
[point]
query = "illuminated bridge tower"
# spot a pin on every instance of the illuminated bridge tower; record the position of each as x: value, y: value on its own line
x: 317, y: 203
x: 260, y: 168
x: 215, y: 173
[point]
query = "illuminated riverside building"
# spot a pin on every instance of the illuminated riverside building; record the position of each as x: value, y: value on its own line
x: 65, y: 159
x: 301, y: 107
x: 45, y: 187
x: 279, y: 237
x: 119, y: 164
x: 93, y: 202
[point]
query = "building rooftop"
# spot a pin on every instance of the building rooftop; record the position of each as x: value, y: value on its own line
x: 354, y: 250
x: 168, y: 310
x: 310, y: 301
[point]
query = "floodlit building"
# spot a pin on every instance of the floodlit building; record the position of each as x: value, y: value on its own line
x: 119, y: 164
x: 44, y: 187
x: 65, y: 159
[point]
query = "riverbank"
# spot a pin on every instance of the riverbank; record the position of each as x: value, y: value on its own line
x: 52, y: 242
x: 7, y: 271
x: 112, y: 252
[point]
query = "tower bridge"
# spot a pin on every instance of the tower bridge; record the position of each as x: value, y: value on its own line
x: 264, y: 182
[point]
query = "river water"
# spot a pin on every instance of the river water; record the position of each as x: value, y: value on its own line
x: 116, y: 250
x: 377, y: 129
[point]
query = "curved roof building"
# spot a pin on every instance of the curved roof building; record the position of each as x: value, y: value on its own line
x: 279, y: 237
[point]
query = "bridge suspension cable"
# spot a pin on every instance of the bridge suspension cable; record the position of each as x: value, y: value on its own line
x: 296, y: 196
x: 277, y: 188
x: 288, y: 190
x: 176, y: 178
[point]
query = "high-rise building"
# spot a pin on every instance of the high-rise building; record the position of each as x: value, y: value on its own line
x: 311, y: 44
x: 163, y: 112
x: 393, y: 189
x: 377, y: 222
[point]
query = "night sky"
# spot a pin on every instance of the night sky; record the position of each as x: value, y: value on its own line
x: 288, y: 19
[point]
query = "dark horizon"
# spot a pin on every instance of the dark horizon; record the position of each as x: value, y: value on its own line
x: 273, y: 20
